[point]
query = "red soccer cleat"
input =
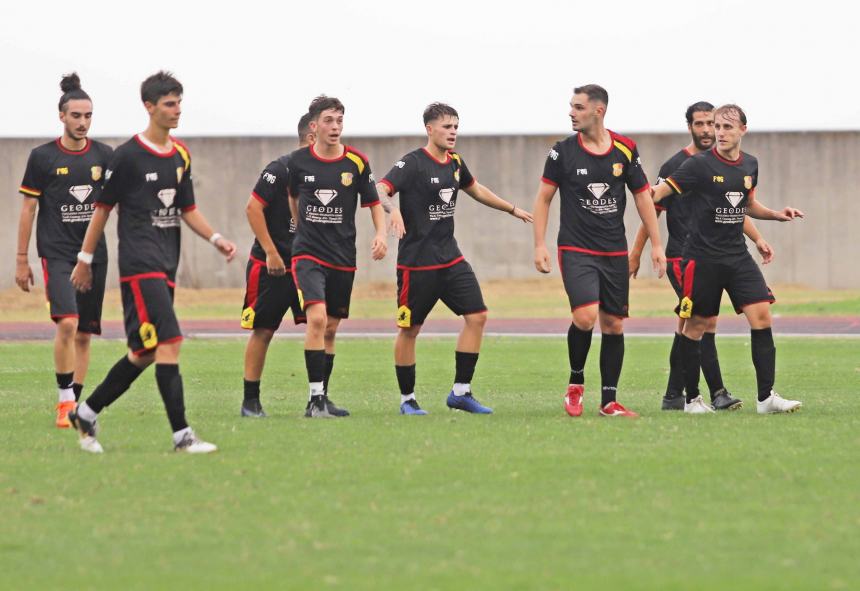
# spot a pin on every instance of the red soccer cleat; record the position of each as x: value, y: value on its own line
x: 613, y: 409
x: 573, y: 399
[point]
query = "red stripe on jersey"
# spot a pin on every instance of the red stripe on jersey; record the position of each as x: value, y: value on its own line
x: 390, y: 185
x: 253, y: 284
x: 138, y: 277
x: 403, y: 300
x: 689, y: 273
x: 623, y: 139
x: 143, y: 145
x: 436, y: 160
x: 45, y: 277
x: 377, y: 202
x: 189, y: 208
x: 29, y: 191
x: 260, y: 199
x: 600, y: 253
x: 321, y: 159
x: 589, y: 152
x: 256, y: 260
x: 687, y: 152
x: 139, y: 304
x: 676, y: 269
x: 585, y: 305
x: 106, y: 206
x: 726, y: 160
x: 659, y: 207
x: 472, y: 184
x: 543, y: 179
x: 644, y: 187
x: 321, y: 262
x: 65, y: 150
x: 357, y: 153
x: 433, y: 267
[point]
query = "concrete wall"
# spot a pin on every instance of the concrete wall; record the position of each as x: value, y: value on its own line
x: 816, y: 172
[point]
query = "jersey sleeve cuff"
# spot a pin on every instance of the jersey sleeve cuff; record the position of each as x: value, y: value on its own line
x: 675, y: 186
x: 371, y: 204
x: 107, y: 206
x: 659, y: 207
x: 472, y: 184
x: 543, y: 179
x: 644, y: 187
x: 29, y: 192
x: 260, y: 199
x: 188, y: 208
x: 389, y: 184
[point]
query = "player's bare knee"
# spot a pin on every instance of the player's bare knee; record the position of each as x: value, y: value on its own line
x: 585, y: 318
x: 694, y: 327
x: 476, y: 320
x: 141, y: 360
x: 611, y: 324
x: 711, y: 325
x: 66, y: 328
x: 82, y: 340
x: 264, y: 335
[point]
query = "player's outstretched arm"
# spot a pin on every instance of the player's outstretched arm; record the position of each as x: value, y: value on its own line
x: 378, y: 247
x: 648, y: 215
x: 757, y: 210
x: 255, y: 210
x: 485, y: 196
x: 396, y: 226
x: 545, y: 194
x: 764, y: 249
x: 82, y: 274
x: 195, y: 220
x: 23, y: 272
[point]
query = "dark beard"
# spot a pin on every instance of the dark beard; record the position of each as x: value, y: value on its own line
x: 700, y: 146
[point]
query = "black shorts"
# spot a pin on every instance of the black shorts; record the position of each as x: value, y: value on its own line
x: 418, y: 290
x: 268, y: 297
x: 595, y: 279
x: 147, y: 305
x: 704, y: 282
x: 64, y: 301
x: 318, y: 282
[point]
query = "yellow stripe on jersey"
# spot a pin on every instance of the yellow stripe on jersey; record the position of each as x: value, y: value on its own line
x: 184, y: 153
x: 456, y: 157
x: 29, y: 191
x: 358, y: 161
x: 674, y: 185
x: 625, y: 150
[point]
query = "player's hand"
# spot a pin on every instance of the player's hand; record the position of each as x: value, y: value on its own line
x: 542, y: 261
x: 378, y: 247
x: 396, y: 226
x: 788, y: 213
x: 227, y: 248
x: 633, y: 262
x: 82, y: 277
x: 23, y: 275
x: 765, y: 250
x: 658, y: 260
x: 275, y: 264
x: 523, y: 215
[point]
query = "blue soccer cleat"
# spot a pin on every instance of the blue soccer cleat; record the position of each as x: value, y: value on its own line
x: 410, y: 407
x: 467, y: 403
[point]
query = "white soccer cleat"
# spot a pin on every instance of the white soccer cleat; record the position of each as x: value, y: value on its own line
x: 776, y: 404
x: 91, y: 444
x: 191, y: 444
x: 697, y: 406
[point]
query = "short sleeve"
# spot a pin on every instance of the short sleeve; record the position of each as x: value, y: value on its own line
x: 466, y: 179
x: 272, y: 183
x: 636, y: 179
x: 366, y: 187
x: 115, y: 183
x: 401, y: 174
x: 34, y: 178
x: 552, y: 169
x: 686, y: 178
x: 185, y: 200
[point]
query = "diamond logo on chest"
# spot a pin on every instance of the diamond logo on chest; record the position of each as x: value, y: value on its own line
x: 81, y: 192
x: 325, y: 195
x: 166, y: 196
x: 734, y: 197
x: 598, y: 189
x: 446, y: 194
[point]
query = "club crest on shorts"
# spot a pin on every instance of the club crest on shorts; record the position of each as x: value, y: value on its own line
x: 617, y: 169
x: 180, y: 170
x: 404, y: 317
x: 346, y: 179
x: 96, y: 172
x: 248, y: 317
x: 148, y: 336
x: 685, y: 309
x: 747, y: 182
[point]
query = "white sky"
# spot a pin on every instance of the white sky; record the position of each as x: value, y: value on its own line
x: 251, y: 67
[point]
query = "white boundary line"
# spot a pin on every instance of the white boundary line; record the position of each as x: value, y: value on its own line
x: 531, y: 335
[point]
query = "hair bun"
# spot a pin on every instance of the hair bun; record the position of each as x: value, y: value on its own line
x: 70, y: 82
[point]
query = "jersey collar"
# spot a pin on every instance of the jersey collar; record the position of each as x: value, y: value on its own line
x: 433, y: 158
x: 727, y: 161
x: 65, y: 150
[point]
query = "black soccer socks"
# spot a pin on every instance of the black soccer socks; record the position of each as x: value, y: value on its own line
x: 764, y: 360
x: 676, y: 370
x: 116, y: 382
x: 578, y: 344
x: 691, y: 360
x: 405, y: 378
x: 711, y: 364
x: 465, y: 367
x: 252, y: 390
x: 315, y: 364
x: 611, y: 360
x: 329, y: 366
x: 170, y: 386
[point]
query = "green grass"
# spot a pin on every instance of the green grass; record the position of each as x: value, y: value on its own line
x: 524, y: 499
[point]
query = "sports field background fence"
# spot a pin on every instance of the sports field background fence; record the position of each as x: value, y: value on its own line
x: 814, y: 171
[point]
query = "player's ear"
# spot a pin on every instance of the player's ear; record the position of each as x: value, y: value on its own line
x: 428, y: 128
x: 150, y: 108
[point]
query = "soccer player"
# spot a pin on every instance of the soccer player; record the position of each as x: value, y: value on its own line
x: 149, y: 177
x: 700, y: 124
x: 591, y: 169
x: 430, y: 266
x: 269, y: 287
x: 720, y: 185
x: 327, y: 182
x: 62, y: 180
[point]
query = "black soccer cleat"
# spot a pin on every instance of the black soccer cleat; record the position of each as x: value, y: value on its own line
x: 253, y: 408
x: 320, y: 407
x: 673, y: 402
x: 723, y: 400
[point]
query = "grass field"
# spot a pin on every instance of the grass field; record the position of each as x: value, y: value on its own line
x: 523, y: 499
x: 526, y: 298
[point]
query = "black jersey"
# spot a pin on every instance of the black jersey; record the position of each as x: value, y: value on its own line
x: 677, y: 209
x: 328, y: 193
x: 718, y: 191
x: 152, y: 189
x: 67, y: 184
x: 428, y: 196
x: 272, y: 190
x: 592, y: 192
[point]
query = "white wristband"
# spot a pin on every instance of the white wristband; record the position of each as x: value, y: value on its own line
x: 85, y: 257
x: 215, y: 238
